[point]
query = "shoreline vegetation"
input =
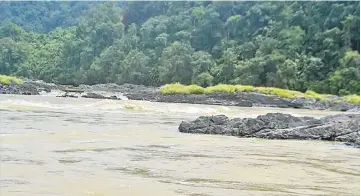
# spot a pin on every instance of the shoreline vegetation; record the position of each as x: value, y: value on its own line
x: 7, y: 80
x: 178, y: 88
x: 221, y: 94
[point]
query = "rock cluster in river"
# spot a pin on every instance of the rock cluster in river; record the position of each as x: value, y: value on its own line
x: 342, y: 127
x: 140, y: 92
x: 29, y: 87
x: 242, y: 99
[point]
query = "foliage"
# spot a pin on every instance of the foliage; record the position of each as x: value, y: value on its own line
x: 244, y: 88
x: 194, y: 89
x: 7, y: 80
x: 221, y: 88
x: 44, y: 16
x: 174, y: 89
x: 354, y: 99
x: 255, y: 46
x: 177, y: 88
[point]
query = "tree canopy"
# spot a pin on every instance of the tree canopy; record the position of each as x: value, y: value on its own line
x: 293, y: 45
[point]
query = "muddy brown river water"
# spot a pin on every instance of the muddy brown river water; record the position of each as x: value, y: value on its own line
x: 75, y: 147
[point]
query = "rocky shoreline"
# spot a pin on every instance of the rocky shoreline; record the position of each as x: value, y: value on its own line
x: 341, y: 128
x: 140, y: 92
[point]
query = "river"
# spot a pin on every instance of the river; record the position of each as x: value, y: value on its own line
x: 75, y: 147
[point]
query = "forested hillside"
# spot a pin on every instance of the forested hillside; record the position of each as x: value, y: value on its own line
x: 292, y: 45
x: 44, y: 16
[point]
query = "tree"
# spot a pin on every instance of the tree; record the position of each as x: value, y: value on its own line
x: 231, y: 25
x: 346, y: 80
x: 135, y: 68
x: 203, y: 79
x: 176, y: 63
x: 11, y: 56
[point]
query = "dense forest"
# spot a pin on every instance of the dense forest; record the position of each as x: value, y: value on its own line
x: 292, y: 45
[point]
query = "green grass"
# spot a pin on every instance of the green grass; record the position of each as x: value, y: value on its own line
x: 7, y: 80
x: 181, y: 89
x: 241, y: 88
x: 354, y: 99
x: 174, y: 89
x: 221, y: 88
x: 318, y: 97
x: 276, y: 91
x: 195, y: 89
x: 270, y: 91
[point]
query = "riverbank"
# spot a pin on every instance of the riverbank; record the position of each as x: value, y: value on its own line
x: 342, y: 128
x: 154, y: 94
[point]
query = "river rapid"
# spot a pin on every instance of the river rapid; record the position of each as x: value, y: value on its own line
x: 75, y: 147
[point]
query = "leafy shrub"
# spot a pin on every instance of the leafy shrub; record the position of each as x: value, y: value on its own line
x: 354, y: 99
x: 195, y: 89
x: 204, y: 79
x: 277, y: 91
x: 241, y: 88
x: 7, y: 80
x: 318, y: 97
x: 269, y: 91
x: 221, y: 88
x: 174, y: 89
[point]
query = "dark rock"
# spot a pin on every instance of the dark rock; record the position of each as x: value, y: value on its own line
x: 140, y: 92
x: 29, y: 87
x: 219, y: 119
x: 93, y: 96
x: 68, y: 95
x: 113, y: 97
x: 342, y: 127
x: 242, y: 99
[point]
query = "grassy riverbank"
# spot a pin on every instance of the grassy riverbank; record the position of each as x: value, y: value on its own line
x: 272, y: 91
x: 7, y: 80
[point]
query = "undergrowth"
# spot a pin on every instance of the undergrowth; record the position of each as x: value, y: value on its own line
x: 7, y: 80
x: 271, y: 91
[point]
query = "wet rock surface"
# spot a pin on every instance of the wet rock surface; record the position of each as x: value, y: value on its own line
x: 243, y: 100
x: 29, y: 87
x: 140, y: 92
x: 343, y: 128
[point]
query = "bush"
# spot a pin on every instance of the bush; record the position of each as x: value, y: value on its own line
x: 221, y: 88
x: 181, y: 89
x: 277, y: 91
x: 7, y: 80
x: 311, y: 93
x: 174, y: 89
x: 271, y: 91
x: 354, y: 99
x: 195, y: 89
x: 241, y: 88
x: 204, y: 79
x: 284, y: 93
x: 263, y: 90
x: 318, y: 97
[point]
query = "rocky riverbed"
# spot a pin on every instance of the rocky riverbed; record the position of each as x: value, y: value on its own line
x: 343, y: 127
x: 140, y: 92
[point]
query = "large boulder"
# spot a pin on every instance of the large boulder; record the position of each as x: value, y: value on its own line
x: 343, y: 128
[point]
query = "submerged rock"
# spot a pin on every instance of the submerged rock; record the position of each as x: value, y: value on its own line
x: 342, y: 128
